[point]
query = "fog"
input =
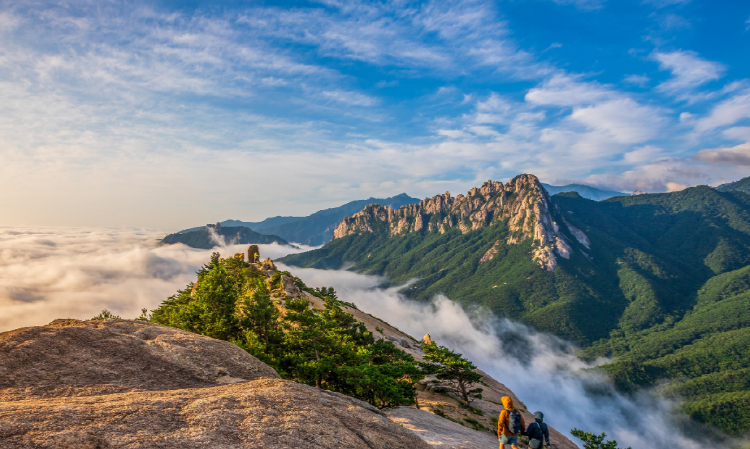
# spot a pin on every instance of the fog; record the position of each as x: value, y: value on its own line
x: 47, y: 274
x: 540, y: 368
x: 51, y: 273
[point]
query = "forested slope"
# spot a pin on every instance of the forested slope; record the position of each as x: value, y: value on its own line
x: 662, y: 285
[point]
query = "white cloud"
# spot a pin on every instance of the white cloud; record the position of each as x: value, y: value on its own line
x: 737, y: 155
x: 737, y: 133
x: 664, y: 173
x: 51, y: 273
x: 646, y: 154
x: 673, y: 21
x: 676, y: 186
x: 8, y: 22
x: 166, y: 113
x: 586, y: 5
x: 665, y: 3
x: 689, y: 71
x: 623, y: 120
x: 566, y: 90
x: 351, y: 98
x: 638, y: 80
x: 726, y: 112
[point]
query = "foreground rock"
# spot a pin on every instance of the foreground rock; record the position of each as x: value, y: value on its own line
x: 264, y: 413
x: 119, y: 383
x: 85, y: 358
x: 438, y: 431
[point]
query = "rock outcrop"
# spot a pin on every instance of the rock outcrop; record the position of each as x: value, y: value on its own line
x: 120, y: 383
x: 289, y: 287
x: 87, y: 358
x: 522, y: 203
x: 253, y: 254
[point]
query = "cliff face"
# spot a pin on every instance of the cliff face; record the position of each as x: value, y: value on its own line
x: 522, y: 203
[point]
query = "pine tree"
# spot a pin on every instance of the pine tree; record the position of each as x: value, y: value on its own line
x: 459, y: 372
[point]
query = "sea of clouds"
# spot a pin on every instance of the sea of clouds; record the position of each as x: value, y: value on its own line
x: 47, y: 274
x: 52, y: 273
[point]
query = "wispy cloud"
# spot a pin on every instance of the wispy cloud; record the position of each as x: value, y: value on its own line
x: 168, y: 110
x: 689, y: 71
x: 586, y: 5
x: 665, y: 3
x: 638, y: 80
x: 726, y: 112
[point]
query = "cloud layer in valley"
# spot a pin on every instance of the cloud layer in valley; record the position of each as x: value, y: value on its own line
x: 46, y: 274
x: 126, y: 114
x: 540, y: 368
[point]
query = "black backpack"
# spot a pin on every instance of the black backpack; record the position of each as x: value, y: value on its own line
x: 514, y: 421
x: 535, y: 443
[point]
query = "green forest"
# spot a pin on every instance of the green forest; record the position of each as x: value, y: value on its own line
x: 664, y: 288
x: 232, y: 300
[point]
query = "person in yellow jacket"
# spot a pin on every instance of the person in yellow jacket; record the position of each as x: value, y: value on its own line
x: 505, y: 423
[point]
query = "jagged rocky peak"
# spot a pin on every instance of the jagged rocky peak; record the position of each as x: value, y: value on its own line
x: 523, y: 202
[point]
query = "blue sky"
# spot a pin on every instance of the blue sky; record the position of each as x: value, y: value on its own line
x: 171, y: 114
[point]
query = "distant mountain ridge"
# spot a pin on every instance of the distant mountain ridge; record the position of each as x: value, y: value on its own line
x: 658, y: 281
x: 588, y: 192
x: 211, y: 236
x: 743, y: 185
x: 315, y: 229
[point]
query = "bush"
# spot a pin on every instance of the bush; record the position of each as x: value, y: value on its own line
x: 105, y: 315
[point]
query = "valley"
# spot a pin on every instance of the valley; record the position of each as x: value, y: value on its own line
x: 652, y: 280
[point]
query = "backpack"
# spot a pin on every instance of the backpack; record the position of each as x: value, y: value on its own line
x: 537, y: 443
x: 514, y: 421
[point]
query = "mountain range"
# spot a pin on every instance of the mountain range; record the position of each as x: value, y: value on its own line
x: 659, y: 282
x: 588, y: 192
x: 315, y: 229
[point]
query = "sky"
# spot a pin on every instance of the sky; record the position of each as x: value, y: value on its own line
x: 166, y: 115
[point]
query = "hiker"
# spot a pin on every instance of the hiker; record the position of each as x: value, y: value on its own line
x: 538, y: 432
x: 509, y: 424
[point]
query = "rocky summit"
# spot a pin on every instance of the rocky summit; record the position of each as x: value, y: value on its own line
x: 523, y: 203
x: 119, y: 383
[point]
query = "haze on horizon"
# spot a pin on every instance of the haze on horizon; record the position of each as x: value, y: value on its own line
x: 174, y: 114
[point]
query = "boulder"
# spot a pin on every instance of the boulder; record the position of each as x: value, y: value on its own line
x: 289, y: 286
x: 268, y: 267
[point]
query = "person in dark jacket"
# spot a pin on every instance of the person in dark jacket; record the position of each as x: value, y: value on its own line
x: 538, y: 432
